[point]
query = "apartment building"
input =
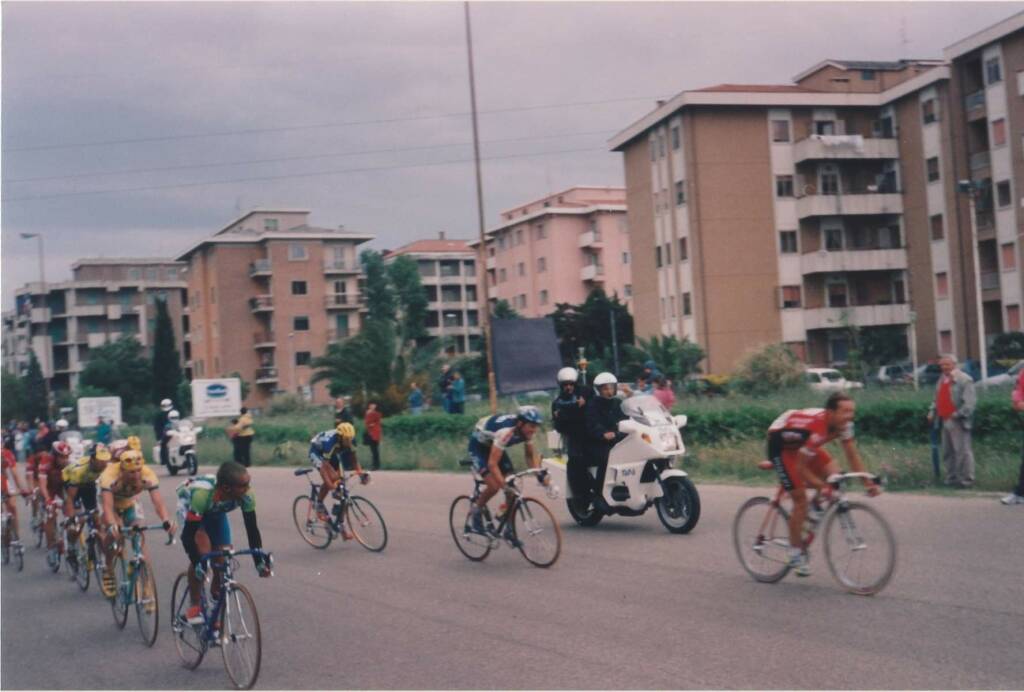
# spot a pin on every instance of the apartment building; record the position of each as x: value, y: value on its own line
x: 106, y: 298
x: 792, y: 212
x: 558, y: 249
x: 267, y: 294
x: 448, y: 270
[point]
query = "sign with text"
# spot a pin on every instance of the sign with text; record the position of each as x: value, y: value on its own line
x: 92, y: 408
x: 216, y: 398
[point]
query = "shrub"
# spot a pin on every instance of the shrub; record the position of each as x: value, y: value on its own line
x: 429, y: 426
x: 767, y: 369
x: 283, y: 404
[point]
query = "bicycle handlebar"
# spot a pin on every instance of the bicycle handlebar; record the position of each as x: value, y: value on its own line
x: 205, y: 558
x: 837, y: 478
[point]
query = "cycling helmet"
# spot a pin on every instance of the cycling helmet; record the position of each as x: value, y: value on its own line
x: 529, y: 414
x: 173, y: 415
x: 101, y: 453
x: 61, y: 448
x: 117, y: 447
x: 346, y: 431
x: 605, y: 378
x: 61, y: 424
x: 134, y: 443
x: 166, y: 405
x: 131, y: 460
x: 568, y: 375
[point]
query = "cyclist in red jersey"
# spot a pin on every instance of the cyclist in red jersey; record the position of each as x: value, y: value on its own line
x: 796, y: 442
x: 10, y: 468
x: 50, y: 480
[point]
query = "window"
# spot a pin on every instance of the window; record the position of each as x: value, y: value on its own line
x: 867, y: 75
x: 1013, y: 318
x: 687, y: 306
x: 172, y: 274
x: 469, y: 268
x: 825, y: 127
x: 522, y: 300
x: 472, y: 318
x: 937, y: 231
x: 780, y: 130
x: 470, y: 294
x: 928, y: 111
x: 829, y: 180
x: 837, y: 294
x: 790, y: 297
x: 300, y: 324
x: 680, y: 193
x: 521, y: 268
x: 543, y: 297
x: 787, y: 242
x: 654, y: 150
x: 1009, y: 257
x: 627, y: 290
x: 668, y: 253
x: 1003, y: 193
x: 932, y: 165
x: 993, y: 71
x: 999, y: 132
x: 299, y: 288
x: 302, y: 358
x: 502, y: 276
x: 519, y: 236
x: 297, y: 252
x: 941, y: 285
x: 899, y: 291
x: 661, y: 145
x: 542, y: 264
x: 502, y: 243
x: 625, y: 258
x: 152, y: 274
x: 672, y: 306
x: 542, y: 232
x: 269, y: 224
x: 946, y: 341
x: 675, y: 137
x: 427, y: 267
x: 134, y: 274
x: 684, y: 251
x: 657, y: 257
x: 783, y: 186
x: 833, y: 239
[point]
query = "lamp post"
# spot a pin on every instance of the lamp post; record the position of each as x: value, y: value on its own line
x: 42, y: 290
x: 972, y: 189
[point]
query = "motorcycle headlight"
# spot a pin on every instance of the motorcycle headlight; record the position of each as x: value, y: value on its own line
x: 668, y: 439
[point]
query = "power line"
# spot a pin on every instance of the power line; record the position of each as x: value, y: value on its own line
x: 282, y: 159
x: 311, y: 174
x: 293, y: 128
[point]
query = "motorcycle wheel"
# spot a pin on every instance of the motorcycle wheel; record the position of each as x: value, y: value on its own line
x: 172, y: 469
x: 587, y: 516
x: 679, y: 508
x: 192, y: 464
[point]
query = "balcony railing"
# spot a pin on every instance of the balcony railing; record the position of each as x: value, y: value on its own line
x: 342, y: 301
x: 857, y: 315
x: 338, y: 266
x: 855, y: 202
x: 825, y: 262
x: 989, y: 281
x: 260, y: 267
x: 984, y: 219
x: 845, y: 147
x: 261, y: 303
x: 268, y: 374
x: 338, y: 334
x: 592, y: 272
x: 263, y: 339
x: 974, y: 104
x: 980, y: 160
x: 590, y: 239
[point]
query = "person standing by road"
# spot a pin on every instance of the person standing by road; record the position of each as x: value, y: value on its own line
x: 242, y: 440
x: 1017, y: 496
x: 663, y: 392
x: 343, y: 410
x: 416, y: 400
x: 443, y: 384
x: 104, y: 431
x: 954, y: 404
x: 457, y: 394
x: 373, y: 432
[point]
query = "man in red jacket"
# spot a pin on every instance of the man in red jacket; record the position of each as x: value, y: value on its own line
x: 1017, y: 496
x: 373, y: 433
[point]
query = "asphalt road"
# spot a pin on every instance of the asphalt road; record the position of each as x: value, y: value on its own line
x: 628, y: 605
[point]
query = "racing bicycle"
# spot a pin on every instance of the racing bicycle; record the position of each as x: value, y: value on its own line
x: 136, y: 585
x: 359, y: 514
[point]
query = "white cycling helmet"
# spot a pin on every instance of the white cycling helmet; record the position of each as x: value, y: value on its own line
x: 166, y: 405
x: 568, y: 375
x: 173, y: 415
x: 61, y: 424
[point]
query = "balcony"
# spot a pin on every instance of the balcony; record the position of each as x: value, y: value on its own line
x: 590, y: 239
x: 89, y: 310
x: 40, y: 315
x: 336, y: 266
x: 857, y: 204
x: 824, y: 262
x: 857, y: 315
x: 826, y: 148
x: 592, y: 272
x: 980, y: 161
x: 974, y: 104
x: 260, y: 267
x: 989, y: 280
x: 263, y: 340
x: 342, y: 301
x: 985, y: 220
x: 492, y: 262
x: 334, y: 335
x: 261, y: 303
x: 266, y: 375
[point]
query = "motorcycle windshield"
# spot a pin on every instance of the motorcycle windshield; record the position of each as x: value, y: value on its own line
x: 645, y: 409
x: 185, y: 425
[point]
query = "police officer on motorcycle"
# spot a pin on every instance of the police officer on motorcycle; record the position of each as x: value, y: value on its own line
x: 603, y: 413
x: 568, y: 411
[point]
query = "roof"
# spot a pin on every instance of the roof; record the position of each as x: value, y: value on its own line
x: 759, y: 89
x: 877, y: 65
x: 434, y: 245
x: 103, y: 261
x: 545, y: 211
x: 984, y: 37
x: 308, y: 233
x: 555, y: 195
x: 261, y: 210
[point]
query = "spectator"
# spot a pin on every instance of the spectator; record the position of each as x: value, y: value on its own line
x: 954, y: 404
x: 343, y: 410
x: 650, y: 372
x: 444, y: 387
x: 45, y: 437
x: 1017, y: 496
x: 104, y: 431
x: 416, y: 400
x: 457, y: 396
x: 663, y: 392
x: 242, y: 441
x: 373, y: 432
x: 22, y: 443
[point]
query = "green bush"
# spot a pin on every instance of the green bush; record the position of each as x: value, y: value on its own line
x: 768, y: 369
x: 429, y: 426
x: 283, y: 404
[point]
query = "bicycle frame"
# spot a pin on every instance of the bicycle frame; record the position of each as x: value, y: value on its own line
x: 511, y: 487
x: 837, y: 500
x: 340, y: 494
x: 137, y: 556
x: 207, y: 562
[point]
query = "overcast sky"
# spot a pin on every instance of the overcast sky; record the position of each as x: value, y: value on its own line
x: 301, y: 74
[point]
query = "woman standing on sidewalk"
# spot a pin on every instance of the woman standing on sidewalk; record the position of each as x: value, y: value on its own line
x: 373, y: 432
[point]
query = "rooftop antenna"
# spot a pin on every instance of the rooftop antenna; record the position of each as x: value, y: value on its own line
x: 904, y: 41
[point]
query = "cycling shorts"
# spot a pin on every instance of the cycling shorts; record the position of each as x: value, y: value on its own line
x: 481, y: 456
x: 786, y: 463
x: 131, y: 514
x: 86, y: 497
x: 347, y: 461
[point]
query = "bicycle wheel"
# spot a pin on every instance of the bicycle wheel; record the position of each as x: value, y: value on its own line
x: 70, y: 558
x: 860, y: 548
x: 82, y: 558
x: 188, y: 639
x: 538, y: 534
x: 147, y: 606
x: 6, y: 547
x: 39, y: 528
x: 99, y: 564
x: 473, y: 545
x: 240, y: 637
x: 760, y: 535
x: 312, y: 529
x: 366, y: 523
x: 19, y: 557
x: 119, y: 603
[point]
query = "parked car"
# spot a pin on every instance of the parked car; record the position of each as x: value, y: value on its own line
x: 1008, y: 377
x: 892, y: 374
x: 829, y: 380
x: 929, y: 373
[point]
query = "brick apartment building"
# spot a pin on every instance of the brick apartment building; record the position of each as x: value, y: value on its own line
x: 787, y: 213
x: 104, y: 300
x: 558, y: 249
x: 266, y: 295
x: 448, y: 270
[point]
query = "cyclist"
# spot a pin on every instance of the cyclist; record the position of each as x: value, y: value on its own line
x: 50, y: 481
x: 10, y: 469
x: 796, y: 442
x: 336, y: 448
x: 80, y: 483
x: 121, y: 483
x: 488, y: 445
x: 203, y: 506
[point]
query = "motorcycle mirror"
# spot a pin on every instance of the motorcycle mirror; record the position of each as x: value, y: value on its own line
x: 627, y: 426
x: 680, y: 420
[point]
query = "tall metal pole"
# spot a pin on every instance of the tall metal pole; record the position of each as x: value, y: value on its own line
x: 485, y: 314
x: 615, y: 342
x: 978, y: 305
x: 45, y: 294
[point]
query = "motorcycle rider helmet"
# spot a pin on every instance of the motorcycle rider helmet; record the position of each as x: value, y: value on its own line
x: 61, y: 425
x: 166, y: 405
x: 570, y: 375
x: 117, y: 447
x: 134, y: 443
x: 650, y: 365
x: 132, y: 460
x: 101, y: 453
x: 61, y: 448
x: 346, y: 431
x: 602, y: 379
x: 173, y: 416
x: 529, y: 414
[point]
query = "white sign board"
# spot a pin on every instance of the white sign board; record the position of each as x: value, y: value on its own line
x: 216, y: 398
x: 92, y: 408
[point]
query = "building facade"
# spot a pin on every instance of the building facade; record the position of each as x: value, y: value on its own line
x: 448, y: 270
x: 104, y: 300
x: 793, y: 213
x: 558, y: 249
x: 266, y: 295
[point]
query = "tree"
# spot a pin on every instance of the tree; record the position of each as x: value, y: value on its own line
x: 768, y: 369
x: 37, y: 403
x: 503, y: 311
x: 364, y: 360
x: 120, y: 369
x: 589, y: 326
x: 1007, y: 346
x: 675, y: 358
x: 404, y: 275
x: 380, y: 298
x: 12, y: 394
x: 167, y: 374
x: 243, y: 386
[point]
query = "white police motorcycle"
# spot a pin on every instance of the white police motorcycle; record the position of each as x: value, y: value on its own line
x: 181, y: 448
x: 641, y: 470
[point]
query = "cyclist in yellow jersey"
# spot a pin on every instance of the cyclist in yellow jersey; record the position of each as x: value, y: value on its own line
x: 80, y: 485
x: 121, y: 483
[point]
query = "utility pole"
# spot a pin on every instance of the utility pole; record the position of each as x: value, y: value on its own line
x: 485, y: 314
x: 42, y: 289
x: 615, y: 342
x: 973, y: 189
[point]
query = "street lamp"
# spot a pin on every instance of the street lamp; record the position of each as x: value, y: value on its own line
x: 972, y: 189
x: 42, y: 288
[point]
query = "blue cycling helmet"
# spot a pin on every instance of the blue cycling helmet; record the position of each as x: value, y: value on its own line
x: 529, y: 414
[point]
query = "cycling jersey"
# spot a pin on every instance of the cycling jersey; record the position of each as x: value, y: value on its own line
x: 196, y: 499
x: 9, y: 465
x: 50, y: 470
x: 327, y: 446
x: 110, y: 481
x: 494, y: 432
x: 80, y: 473
x: 801, y: 435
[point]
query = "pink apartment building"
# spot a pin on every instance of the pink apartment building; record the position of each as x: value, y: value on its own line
x: 559, y: 248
